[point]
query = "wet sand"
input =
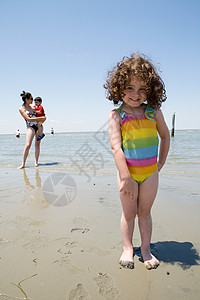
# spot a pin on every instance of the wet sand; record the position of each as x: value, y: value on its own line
x: 72, y: 251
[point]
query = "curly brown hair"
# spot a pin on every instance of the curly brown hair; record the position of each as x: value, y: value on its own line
x: 140, y: 66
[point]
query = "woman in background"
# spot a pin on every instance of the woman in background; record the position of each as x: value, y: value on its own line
x: 32, y: 127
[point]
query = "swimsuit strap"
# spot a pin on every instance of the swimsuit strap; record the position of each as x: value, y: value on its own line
x: 149, y: 113
x: 121, y: 112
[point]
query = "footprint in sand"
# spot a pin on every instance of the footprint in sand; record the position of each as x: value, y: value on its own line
x: 81, y: 225
x: 80, y: 222
x: 65, y: 262
x: 106, y: 286
x: 65, y: 242
x: 22, y: 226
x: 36, y: 243
x: 79, y: 293
x: 98, y: 251
x: 117, y: 246
x: 5, y: 243
x: 79, y: 230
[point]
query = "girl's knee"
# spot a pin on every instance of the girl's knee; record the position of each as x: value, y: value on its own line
x: 143, y: 213
x: 129, y: 216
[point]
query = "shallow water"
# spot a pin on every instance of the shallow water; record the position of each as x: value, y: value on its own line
x: 89, y: 153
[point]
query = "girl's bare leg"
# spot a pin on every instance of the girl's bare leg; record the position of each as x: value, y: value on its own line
x: 146, y: 196
x: 37, y: 151
x: 129, y: 207
x: 29, y: 138
x: 40, y: 129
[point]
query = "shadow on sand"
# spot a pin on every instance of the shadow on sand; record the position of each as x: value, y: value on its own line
x: 49, y: 164
x: 184, y: 254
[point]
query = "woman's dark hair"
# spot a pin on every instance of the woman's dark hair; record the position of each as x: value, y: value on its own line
x: 25, y: 95
x: 141, y: 67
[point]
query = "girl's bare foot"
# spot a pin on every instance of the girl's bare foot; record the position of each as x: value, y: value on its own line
x: 36, y: 164
x: 149, y: 260
x: 126, y: 259
x: 21, y: 167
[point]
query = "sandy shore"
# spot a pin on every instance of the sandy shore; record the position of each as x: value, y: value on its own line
x: 68, y: 247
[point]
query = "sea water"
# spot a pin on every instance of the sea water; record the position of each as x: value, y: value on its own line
x: 89, y: 153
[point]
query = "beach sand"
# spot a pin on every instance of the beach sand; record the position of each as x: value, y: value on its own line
x: 72, y: 251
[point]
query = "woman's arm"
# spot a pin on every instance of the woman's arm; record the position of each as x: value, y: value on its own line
x: 116, y: 145
x: 163, y: 132
x: 26, y: 117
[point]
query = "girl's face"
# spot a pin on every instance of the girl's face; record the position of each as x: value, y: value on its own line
x: 37, y: 103
x: 135, y: 93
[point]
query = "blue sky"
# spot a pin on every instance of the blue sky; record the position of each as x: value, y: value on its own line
x: 61, y: 51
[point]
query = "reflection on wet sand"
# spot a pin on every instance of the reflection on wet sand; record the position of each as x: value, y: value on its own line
x: 33, y: 193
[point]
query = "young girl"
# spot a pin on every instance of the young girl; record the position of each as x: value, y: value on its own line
x: 38, y: 108
x: 133, y: 136
x: 32, y: 127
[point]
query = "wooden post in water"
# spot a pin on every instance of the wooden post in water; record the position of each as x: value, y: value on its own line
x: 173, y: 125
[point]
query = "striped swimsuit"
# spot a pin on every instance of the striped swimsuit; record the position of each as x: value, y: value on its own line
x: 140, y: 143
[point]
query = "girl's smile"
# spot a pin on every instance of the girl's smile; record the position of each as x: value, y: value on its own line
x: 135, y: 93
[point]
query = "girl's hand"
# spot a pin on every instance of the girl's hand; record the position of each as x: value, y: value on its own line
x: 127, y: 186
x: 159, y: 166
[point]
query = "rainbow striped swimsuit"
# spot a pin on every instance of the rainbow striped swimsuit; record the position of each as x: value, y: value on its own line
x: 140, y: 143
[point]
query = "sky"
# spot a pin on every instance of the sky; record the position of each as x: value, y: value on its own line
x: 62, y: 50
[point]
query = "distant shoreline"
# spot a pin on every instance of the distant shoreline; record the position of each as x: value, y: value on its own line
x: 90, y: 131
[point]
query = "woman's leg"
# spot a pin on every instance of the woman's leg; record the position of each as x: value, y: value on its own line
x: 146, y: 196
x: 129, y: 207
x: 29, y: 138
x: 37, y: 151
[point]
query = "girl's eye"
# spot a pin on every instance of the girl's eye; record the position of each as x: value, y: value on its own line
x: 129, y: 88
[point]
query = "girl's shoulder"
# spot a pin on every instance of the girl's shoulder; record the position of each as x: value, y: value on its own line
x: 120, y: 112
x: 159, y: 115
x: 115, y: 115
x: 157, y: 111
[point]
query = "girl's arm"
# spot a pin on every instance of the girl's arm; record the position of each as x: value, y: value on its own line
x: 163, y: 132
x: 35, y: 110
x: 26, y: 117
x: 116, y: 145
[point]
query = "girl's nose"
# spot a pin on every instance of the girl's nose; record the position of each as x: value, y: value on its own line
x: 135, y: 93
